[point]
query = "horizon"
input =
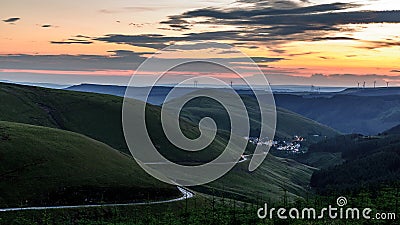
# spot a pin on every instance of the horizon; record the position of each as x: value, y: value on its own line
x: 321, y: 43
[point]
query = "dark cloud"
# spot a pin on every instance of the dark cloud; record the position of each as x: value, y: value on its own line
x: 270, y: 23
x: 69, y: 42
x: 78, y: 39
x: 46, y: 25
x: 11, y: 20
x: 395, y: 71
x: 127, y: 53
x: 334, y: 39
x: 275, y: 22
x: 177, y: 24
x: 120, y: 60
x: 136, y: 24
x: 325, y: 58
x: 156, y: 41
x: 303, y: 53
x: 380, y: 44
x: 82, y: 36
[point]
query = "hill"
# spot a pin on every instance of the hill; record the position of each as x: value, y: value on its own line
x: 45, y: 166
x: 393, y: 130
x: 156, y: 97
x: 99, y: 116
x: 352, y: 104
x: 275, y: 178
x: 371, y: 91
x: 346, y: 113
x: 289, y: 124
x: 96, y: 116
x: 368, y: 162
x: 101, y: 89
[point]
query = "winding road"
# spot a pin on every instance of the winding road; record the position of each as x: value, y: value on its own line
x: 186, y: 194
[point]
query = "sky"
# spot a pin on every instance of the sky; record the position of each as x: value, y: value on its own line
x: 300, y: 42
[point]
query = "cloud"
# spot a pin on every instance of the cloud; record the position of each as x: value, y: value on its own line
x: 46, y: 25
x: 334, y: 39
x: 71, y: 42
x: 300, y: 54
x: 380, y: 44
x: 119, y: 60
x: 11, y: 20
x: 275, y: 22
x: 269, y: 23
x: 82, y: 36
x: 156, y: 41
x: 77, y: 39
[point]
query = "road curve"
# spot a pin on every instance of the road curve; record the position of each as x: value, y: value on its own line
x: 185, y: 195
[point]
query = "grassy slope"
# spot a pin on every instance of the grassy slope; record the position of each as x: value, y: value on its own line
x: 288, y: 123
x: 94, y: 115
x: 39, y: 163
x: 367, y: 162
x: 269, y: 181
x: 347, y: 113
x: 99, y: 117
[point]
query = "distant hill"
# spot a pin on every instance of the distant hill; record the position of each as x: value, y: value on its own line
x: 393, y: 130
x: 371, y: 91
x: 346, y: 113
x: 289, y: 124
x: 45, y: 166
x: 368, y: 161
x: 353, y: 110
x: 45, y: 85
x: 156, y: 97
x: 101, y: 89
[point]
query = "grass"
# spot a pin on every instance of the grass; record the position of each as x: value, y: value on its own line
x: 288, y: 125
x: 274, y: 178
x: 45, y: 166
x: 200, y: 210
x: 98, y: 116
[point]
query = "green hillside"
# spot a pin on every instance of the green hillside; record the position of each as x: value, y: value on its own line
x: 367, y: 162
x: 99, y: 117
x: 346, y: 112
x: 289, y: 124
x: 394, y: 130
x: 274, y: 179
x: 93, y: 115
x: 45, y: 166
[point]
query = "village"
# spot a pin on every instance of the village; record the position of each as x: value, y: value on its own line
x: 293, y: 146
